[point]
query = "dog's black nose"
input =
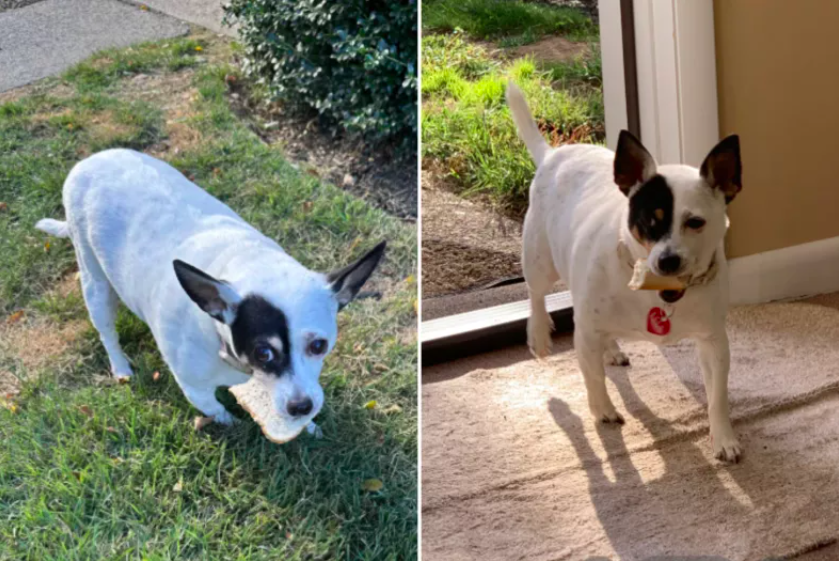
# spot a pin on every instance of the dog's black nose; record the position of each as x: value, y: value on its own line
x: 300, y: 408
x: 669, y: 263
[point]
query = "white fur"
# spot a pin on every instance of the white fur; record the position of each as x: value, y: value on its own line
x: 129, y: 216
x: 576, y: 219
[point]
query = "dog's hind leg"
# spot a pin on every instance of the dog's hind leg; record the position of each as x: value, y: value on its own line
x: 613, y: 354
x: 102, y: 302
x: 590, y: 351
x: 540, y: 275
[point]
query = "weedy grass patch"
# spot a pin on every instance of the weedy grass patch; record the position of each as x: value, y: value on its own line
x: 466, y: 125
x: 93, y: 470
x: 514, y: 21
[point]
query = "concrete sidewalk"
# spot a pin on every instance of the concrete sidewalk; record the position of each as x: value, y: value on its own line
x: 206, y: 13
x: 48, y: 37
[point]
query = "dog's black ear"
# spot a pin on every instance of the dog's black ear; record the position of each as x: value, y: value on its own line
x: 215, y: 297
x: 722, y: 168
x: 633, y: 163
x: 346, y: 282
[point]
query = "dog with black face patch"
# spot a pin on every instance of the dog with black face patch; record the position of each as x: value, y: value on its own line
x: 593, y: 213
x: 223, y: 301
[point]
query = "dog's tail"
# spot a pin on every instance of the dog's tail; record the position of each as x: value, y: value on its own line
x: 528, y: 131
x: 54, y: 227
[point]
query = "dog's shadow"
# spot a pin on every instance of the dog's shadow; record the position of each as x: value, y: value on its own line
x: 645, y: 515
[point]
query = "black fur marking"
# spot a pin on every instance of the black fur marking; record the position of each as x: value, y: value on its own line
x: 256, y: 322
x: 651, y: 210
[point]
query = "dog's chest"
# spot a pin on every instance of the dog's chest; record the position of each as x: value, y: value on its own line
x: 645, y: 316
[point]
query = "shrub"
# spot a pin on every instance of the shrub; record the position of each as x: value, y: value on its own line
x: 352, y: 61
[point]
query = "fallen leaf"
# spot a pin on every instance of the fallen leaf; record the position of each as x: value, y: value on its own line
x: 312, y: 171
x: 370, y: 404
x: 111, y: 429
x: 410, y: 279
x: 393, y: 409
x: 307, y: 206
x: 47, y: 246
x: 354, y: 243
x: 3, y: 206
x: 11, y: 407
x: 144, y: 7
x: 155, y: 376
x: 372, y: 485
x: 179, y: 486
x: 201, y: 422
x: 69, y: 126
x: 416, y: 307
x: 15, y: 317
x: 77, y: 475
x: 199, y: 48
x: 230, y: 79
x: 86, y: 411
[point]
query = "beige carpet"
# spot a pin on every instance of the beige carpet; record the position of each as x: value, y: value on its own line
x: 515, y: 468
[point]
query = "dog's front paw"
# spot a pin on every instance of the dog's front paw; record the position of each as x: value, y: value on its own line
x: 727, y: 448
x: 607, y: 415
x: 224, y: 418
x: 540, y: 343
x: 314, y: 430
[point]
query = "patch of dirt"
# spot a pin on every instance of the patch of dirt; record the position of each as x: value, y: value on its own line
x: 464, y: 245
x: 47, y: 87
x: 549, y: 49
x: 34, y: 342
x: 344, y: 160
x: 104, y: 127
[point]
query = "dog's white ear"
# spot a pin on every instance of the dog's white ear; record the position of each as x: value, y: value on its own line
x: 722, y: 168
x: 633, y: 163
x: 215, y: 297
x: 346, y: 283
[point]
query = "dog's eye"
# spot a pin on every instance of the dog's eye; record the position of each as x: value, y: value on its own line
x: 317, y: 347
x: 263, y: 354
x: 695, y: 223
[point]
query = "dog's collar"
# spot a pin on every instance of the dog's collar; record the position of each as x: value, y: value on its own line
x: 226, y: 354
x: 673, y: 296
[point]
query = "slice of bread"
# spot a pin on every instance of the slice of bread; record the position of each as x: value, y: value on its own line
x: 644, y: 279
x: 255, y: 398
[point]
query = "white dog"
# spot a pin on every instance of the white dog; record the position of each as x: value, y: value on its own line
x: 223, y: 301
x: 592, y: 214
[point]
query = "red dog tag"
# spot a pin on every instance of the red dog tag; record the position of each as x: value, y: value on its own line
x: 657, y: 322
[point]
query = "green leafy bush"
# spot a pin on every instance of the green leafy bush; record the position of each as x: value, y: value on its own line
x: 352, y: 61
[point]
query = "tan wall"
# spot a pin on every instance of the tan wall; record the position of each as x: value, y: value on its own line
x: 778, y: 85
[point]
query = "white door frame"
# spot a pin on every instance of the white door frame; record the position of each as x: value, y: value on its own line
x: 676, y: 74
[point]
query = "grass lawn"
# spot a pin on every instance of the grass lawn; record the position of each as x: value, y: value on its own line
x: 467, y: 130
x: 513, y: 20
x: 93, y: 470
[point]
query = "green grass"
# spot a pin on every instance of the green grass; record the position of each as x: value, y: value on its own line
x: 109, y: 66
x: 493, y: 19
x: 96, y: 471
x: 467, y: 128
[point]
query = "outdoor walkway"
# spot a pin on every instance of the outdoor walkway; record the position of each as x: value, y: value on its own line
x: 47, y: 37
